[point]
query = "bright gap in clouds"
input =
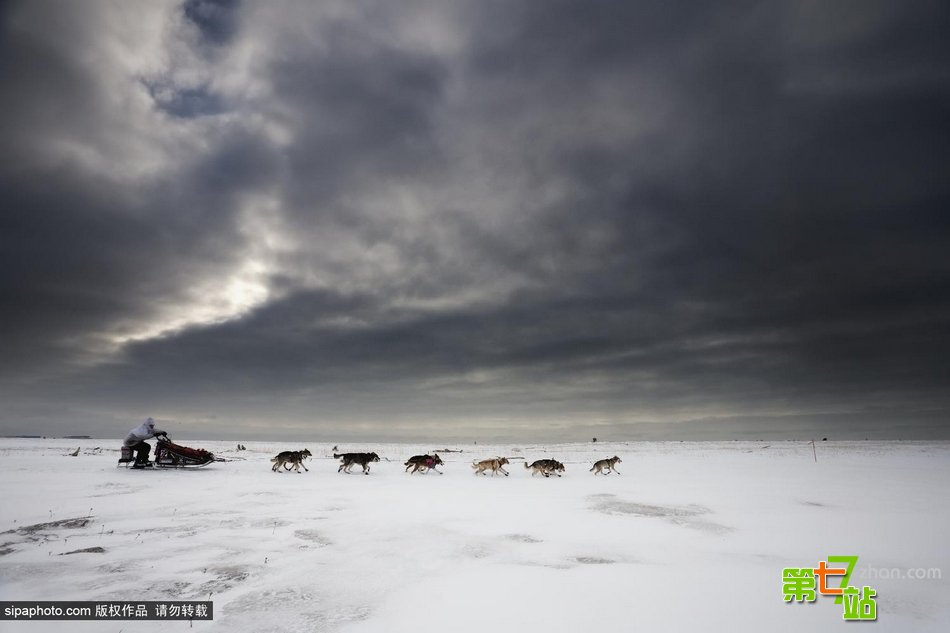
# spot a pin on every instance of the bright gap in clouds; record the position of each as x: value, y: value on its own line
x: 212, y: 302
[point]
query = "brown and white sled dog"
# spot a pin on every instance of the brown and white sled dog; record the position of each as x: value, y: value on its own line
x: 348, y: 459
x: 494, y: 465
x: 546, y: 467
x: 290, y: 459
x: 422, y: 463
x: 610, y: 465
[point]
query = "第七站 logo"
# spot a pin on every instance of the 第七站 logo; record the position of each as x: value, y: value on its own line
x: 805, y: 584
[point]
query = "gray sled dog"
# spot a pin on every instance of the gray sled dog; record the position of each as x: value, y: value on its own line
x: 422, y: 463
x: 546, y: 467
x: 347, y: 460
x: 610, y: 465
x: 494, y: 465
x: 290, y: 459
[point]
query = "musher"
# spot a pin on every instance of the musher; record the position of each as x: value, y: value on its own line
x: 136, y: 441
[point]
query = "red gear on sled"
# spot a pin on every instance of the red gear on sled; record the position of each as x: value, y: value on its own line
x: 171, y: 455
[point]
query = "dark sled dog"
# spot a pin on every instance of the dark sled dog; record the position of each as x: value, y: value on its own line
x: 290, y: 459
x: 422, y: 463
x: 546, y: 467
x: 349, y: 459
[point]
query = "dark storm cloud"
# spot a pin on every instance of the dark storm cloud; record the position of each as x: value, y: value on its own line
x: 82, y: 250
x: 360, y: 111
x: 217, y: 20
x: 186, y: 102
x: 572, y: 216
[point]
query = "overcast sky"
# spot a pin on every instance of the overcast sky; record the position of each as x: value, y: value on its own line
x: 459, y: 220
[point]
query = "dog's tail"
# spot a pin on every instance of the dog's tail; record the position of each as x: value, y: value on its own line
x: 335, y: 456
x: 474, y: 464
x: 526, y: 467
x: 273, y: 459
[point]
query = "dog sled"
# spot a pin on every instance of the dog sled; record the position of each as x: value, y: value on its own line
x: 171, y: 455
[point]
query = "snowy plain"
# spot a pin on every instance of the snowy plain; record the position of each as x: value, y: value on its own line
x: 690, y: 536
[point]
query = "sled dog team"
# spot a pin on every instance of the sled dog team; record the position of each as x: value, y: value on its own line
x: 424, y: 463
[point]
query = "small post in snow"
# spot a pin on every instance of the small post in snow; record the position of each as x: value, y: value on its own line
x: 813, y: 451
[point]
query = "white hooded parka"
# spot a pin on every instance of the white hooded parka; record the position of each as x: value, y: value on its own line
x: 142, y: 432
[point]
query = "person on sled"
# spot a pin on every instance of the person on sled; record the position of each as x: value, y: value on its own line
x: 136, y: 441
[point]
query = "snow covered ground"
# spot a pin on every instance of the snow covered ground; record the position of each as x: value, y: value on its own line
x: 690, y: 537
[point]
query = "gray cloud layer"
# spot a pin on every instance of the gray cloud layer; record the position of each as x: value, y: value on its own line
x: 476, y: 219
